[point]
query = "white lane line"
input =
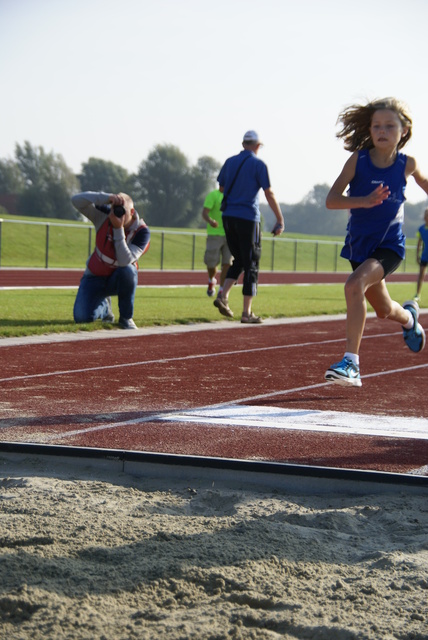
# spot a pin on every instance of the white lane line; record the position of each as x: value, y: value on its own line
x: 101, y: 427
x: 201, y: 356
x: 422, y: 471
x: 305, y: 420
x: 273, y: 394
x: 179, y: 414
x: 234, y: 415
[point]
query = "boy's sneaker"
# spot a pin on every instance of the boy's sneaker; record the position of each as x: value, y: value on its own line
x: 223, y: 307
x: 109, y: 317
x: 414, y: 337
x: 127, y: 323
x: 250, y: 319
x: 211, y: 287
x: 344, y: 372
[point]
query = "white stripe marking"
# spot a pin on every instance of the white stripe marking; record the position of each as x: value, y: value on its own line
x: 233, y: 415
x: 305, y: 420
x: 101, y: 427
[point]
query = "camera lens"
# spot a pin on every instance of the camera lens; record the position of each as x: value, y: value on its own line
x: 118, y: 210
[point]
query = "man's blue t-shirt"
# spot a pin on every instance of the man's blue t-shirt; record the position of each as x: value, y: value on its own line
x: 243, y: 200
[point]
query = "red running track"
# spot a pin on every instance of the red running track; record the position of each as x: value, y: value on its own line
x: 71, y: 277
x: 127, y: 391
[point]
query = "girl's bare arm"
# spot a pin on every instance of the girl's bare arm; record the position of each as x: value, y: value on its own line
x: 336, y: 200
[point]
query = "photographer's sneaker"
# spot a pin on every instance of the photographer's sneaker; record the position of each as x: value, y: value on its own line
x: 223, y: 307
x: 109, y: 317
x: 344, y: 372
x: 127, y: 323
x: 414, y: 337
x: 211, y: 287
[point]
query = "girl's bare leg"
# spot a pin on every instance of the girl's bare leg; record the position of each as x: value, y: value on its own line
x: 367, y: 282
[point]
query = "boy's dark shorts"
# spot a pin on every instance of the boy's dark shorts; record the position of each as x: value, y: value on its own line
x: 389, y: 260
x: 423, y: 263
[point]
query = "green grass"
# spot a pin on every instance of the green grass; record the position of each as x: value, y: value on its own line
x: 42, y: 311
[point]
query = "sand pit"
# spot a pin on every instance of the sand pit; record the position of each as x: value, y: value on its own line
x: 95, y: 555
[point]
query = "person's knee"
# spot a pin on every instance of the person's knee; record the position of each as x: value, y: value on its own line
x: 234, y: 271
x: 251, y: 278
x: 80, y: 316
x: 83, y: 310
x: 254, y: 270
x: 256, y: 253
x: 127, y: 276
x: 127, y: 272
x: 353, y: 288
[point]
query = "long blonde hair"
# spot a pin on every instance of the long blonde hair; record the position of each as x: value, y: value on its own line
x: 356, y: 120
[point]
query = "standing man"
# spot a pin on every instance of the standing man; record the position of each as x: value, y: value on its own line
x: 121, y: 239
x: 240, y: 179
x: 217, y: 249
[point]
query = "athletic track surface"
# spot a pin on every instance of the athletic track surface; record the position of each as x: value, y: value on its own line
x: 220, y: 390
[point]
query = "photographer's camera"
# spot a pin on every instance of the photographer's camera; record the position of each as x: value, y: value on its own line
x: 119, y: 211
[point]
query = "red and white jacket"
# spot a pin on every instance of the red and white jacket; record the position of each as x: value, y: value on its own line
x: 113, y: 247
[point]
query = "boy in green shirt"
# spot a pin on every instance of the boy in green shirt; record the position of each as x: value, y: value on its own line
x: 216, y: 248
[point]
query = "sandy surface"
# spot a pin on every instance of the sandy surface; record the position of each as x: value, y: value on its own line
x: 97, y: 555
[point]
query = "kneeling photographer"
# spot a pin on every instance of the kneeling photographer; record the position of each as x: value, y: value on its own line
x: 122, y: 237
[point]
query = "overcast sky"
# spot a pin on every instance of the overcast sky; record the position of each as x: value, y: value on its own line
x: 112, y: 78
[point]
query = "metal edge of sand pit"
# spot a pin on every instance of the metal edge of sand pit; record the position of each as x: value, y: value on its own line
x: 293, y: 478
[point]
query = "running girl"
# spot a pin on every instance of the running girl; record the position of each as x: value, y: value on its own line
x: 376, y: 174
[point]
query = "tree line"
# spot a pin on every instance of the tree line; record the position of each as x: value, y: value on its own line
x: 167, y: 190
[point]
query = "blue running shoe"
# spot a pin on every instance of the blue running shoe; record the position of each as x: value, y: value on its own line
x: 344, y: 372
x: 414, y: 337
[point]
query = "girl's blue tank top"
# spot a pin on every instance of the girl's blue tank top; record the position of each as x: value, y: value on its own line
x: 380, y: 226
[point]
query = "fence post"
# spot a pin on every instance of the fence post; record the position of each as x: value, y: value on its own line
x: 295, y: 255
x: 193, y: 251
x: 335, y: 257
x: 273, y: 256
x: 162, y: 248
x: 47, y: 246
x: 316, y: 256
x: 90, y: 241
x: 1, y: 221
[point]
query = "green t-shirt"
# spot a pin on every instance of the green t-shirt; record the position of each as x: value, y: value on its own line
x: 213, y: 202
